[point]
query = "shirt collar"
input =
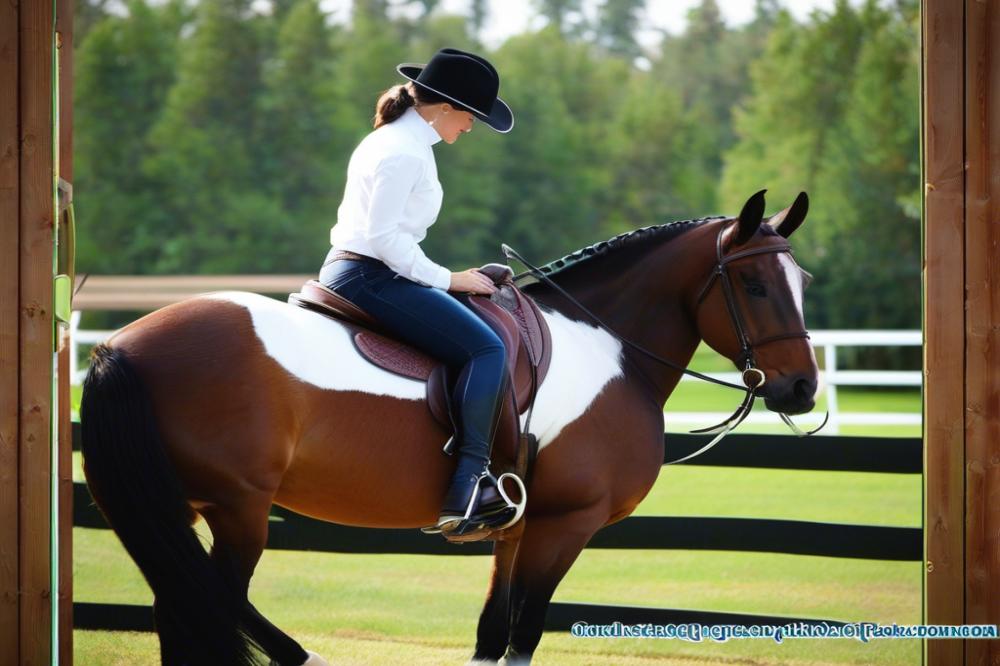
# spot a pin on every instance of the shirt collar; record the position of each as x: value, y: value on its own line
x: 420, y: 127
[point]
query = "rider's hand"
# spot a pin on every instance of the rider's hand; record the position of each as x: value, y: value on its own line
x: 471, y: 281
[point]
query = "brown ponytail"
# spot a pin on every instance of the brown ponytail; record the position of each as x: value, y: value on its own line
x: 393, y: 102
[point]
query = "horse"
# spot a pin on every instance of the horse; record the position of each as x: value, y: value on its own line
x: 224, y: 403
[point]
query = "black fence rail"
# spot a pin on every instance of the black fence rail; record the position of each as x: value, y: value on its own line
x: 292, y: 531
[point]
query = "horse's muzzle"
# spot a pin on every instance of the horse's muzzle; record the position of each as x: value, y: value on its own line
x: 790, y: 395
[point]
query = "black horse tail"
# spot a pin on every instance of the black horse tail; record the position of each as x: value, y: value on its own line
x: 198, y: 604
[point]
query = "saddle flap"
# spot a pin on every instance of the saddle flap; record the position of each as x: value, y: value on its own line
x: 519, y: 322
x: 502, y: 323
x: 538, y: 337
x: 533, y: 329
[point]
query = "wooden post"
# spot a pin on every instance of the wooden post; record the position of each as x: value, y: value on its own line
x: 961, y: 139
x: 982, y: 324
x: 944, y: 331
x: 27, y: 211
x: 9, y: 347
x: 36, y: 330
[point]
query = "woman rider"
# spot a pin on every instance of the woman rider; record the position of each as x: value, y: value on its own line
x: 392, y: 196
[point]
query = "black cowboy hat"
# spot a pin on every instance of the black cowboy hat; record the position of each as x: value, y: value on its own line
x: 465, y: 79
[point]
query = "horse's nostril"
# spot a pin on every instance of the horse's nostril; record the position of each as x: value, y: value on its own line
x: 804, y: 389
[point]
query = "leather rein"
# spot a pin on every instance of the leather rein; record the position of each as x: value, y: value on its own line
x: 753, y: 377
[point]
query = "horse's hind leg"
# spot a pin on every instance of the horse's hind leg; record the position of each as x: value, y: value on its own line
x: 239, y: 536
x: 494, y: 621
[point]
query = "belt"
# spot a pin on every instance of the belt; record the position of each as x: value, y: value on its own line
x: 347, y: 254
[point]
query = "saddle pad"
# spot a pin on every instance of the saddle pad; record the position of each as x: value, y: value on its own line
x: 394, y: 356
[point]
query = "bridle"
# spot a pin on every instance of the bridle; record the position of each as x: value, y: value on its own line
x: 752, y: 376
x: 721, y: 273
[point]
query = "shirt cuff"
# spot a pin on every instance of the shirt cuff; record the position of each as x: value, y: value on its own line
x: 443, y: 279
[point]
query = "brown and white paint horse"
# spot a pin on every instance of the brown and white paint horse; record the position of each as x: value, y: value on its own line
x: 223, y: 404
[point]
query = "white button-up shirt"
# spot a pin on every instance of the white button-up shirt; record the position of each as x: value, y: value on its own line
x: 392, y: 196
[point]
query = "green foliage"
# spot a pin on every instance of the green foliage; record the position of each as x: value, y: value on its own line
x: 300, y: 139
x: 558, y: 12
x: 617, y: 25
x: 834, y: 111
x: 203, y: 144
x: 214, y: 136
x: 478, y: 12
x: 552, y: 167
x: 121, y: 55
x: 707, y: 67
x: 646, y: 149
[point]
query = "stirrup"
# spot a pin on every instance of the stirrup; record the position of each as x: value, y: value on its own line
x: 495, y: 520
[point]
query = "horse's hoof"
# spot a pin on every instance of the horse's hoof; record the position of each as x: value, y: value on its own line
x: 516, y: 661
x: 315, y: 660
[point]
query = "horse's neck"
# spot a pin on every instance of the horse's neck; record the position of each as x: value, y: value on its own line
x: 646, y: 300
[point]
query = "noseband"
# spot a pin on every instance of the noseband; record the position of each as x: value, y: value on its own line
x: 752, y: 376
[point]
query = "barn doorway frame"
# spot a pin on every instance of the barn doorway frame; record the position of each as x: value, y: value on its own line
x: 36, y: 167
x: 960, y: 108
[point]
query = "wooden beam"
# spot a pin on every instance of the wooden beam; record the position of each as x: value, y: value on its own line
x: 944, y: 331
x: 149, y: 292
x: 36, y: 329
x: 9, y: 321
x: 982, y: 325
x: 96, y: 284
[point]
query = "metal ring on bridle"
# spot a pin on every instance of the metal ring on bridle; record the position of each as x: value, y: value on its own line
x: 750, y: 372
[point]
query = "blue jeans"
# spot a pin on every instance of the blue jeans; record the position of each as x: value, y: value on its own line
x: 435, y: 322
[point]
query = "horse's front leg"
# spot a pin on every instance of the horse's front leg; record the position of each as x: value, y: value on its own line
x: 548, y: 549
x: 494, y: 621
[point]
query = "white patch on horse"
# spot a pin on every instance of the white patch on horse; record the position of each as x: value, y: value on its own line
x: 584, y: 359
x: 317, y: 349
x: 793, y: 276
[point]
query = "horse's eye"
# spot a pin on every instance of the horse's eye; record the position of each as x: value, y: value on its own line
x: 756, y: 289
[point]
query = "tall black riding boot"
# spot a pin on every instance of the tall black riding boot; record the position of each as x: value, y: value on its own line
x: 464, y: 506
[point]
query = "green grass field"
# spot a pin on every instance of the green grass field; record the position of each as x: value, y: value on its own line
x: 380, y: 609
x: 395, y: 609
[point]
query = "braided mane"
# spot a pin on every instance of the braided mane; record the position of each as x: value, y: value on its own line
x: 628, y: 239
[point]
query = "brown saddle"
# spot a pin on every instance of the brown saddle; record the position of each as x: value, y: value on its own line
x: 514, y: 317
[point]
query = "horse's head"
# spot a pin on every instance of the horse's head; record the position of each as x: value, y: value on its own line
x: 750, y: 308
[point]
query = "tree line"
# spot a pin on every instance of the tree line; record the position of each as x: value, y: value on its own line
x: 214, y: 137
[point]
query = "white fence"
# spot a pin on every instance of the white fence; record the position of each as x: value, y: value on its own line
x: 827, y: 342
x: 77, y: 337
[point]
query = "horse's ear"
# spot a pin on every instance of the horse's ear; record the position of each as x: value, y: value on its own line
x: 789, y: 219
x: 750, y: 218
